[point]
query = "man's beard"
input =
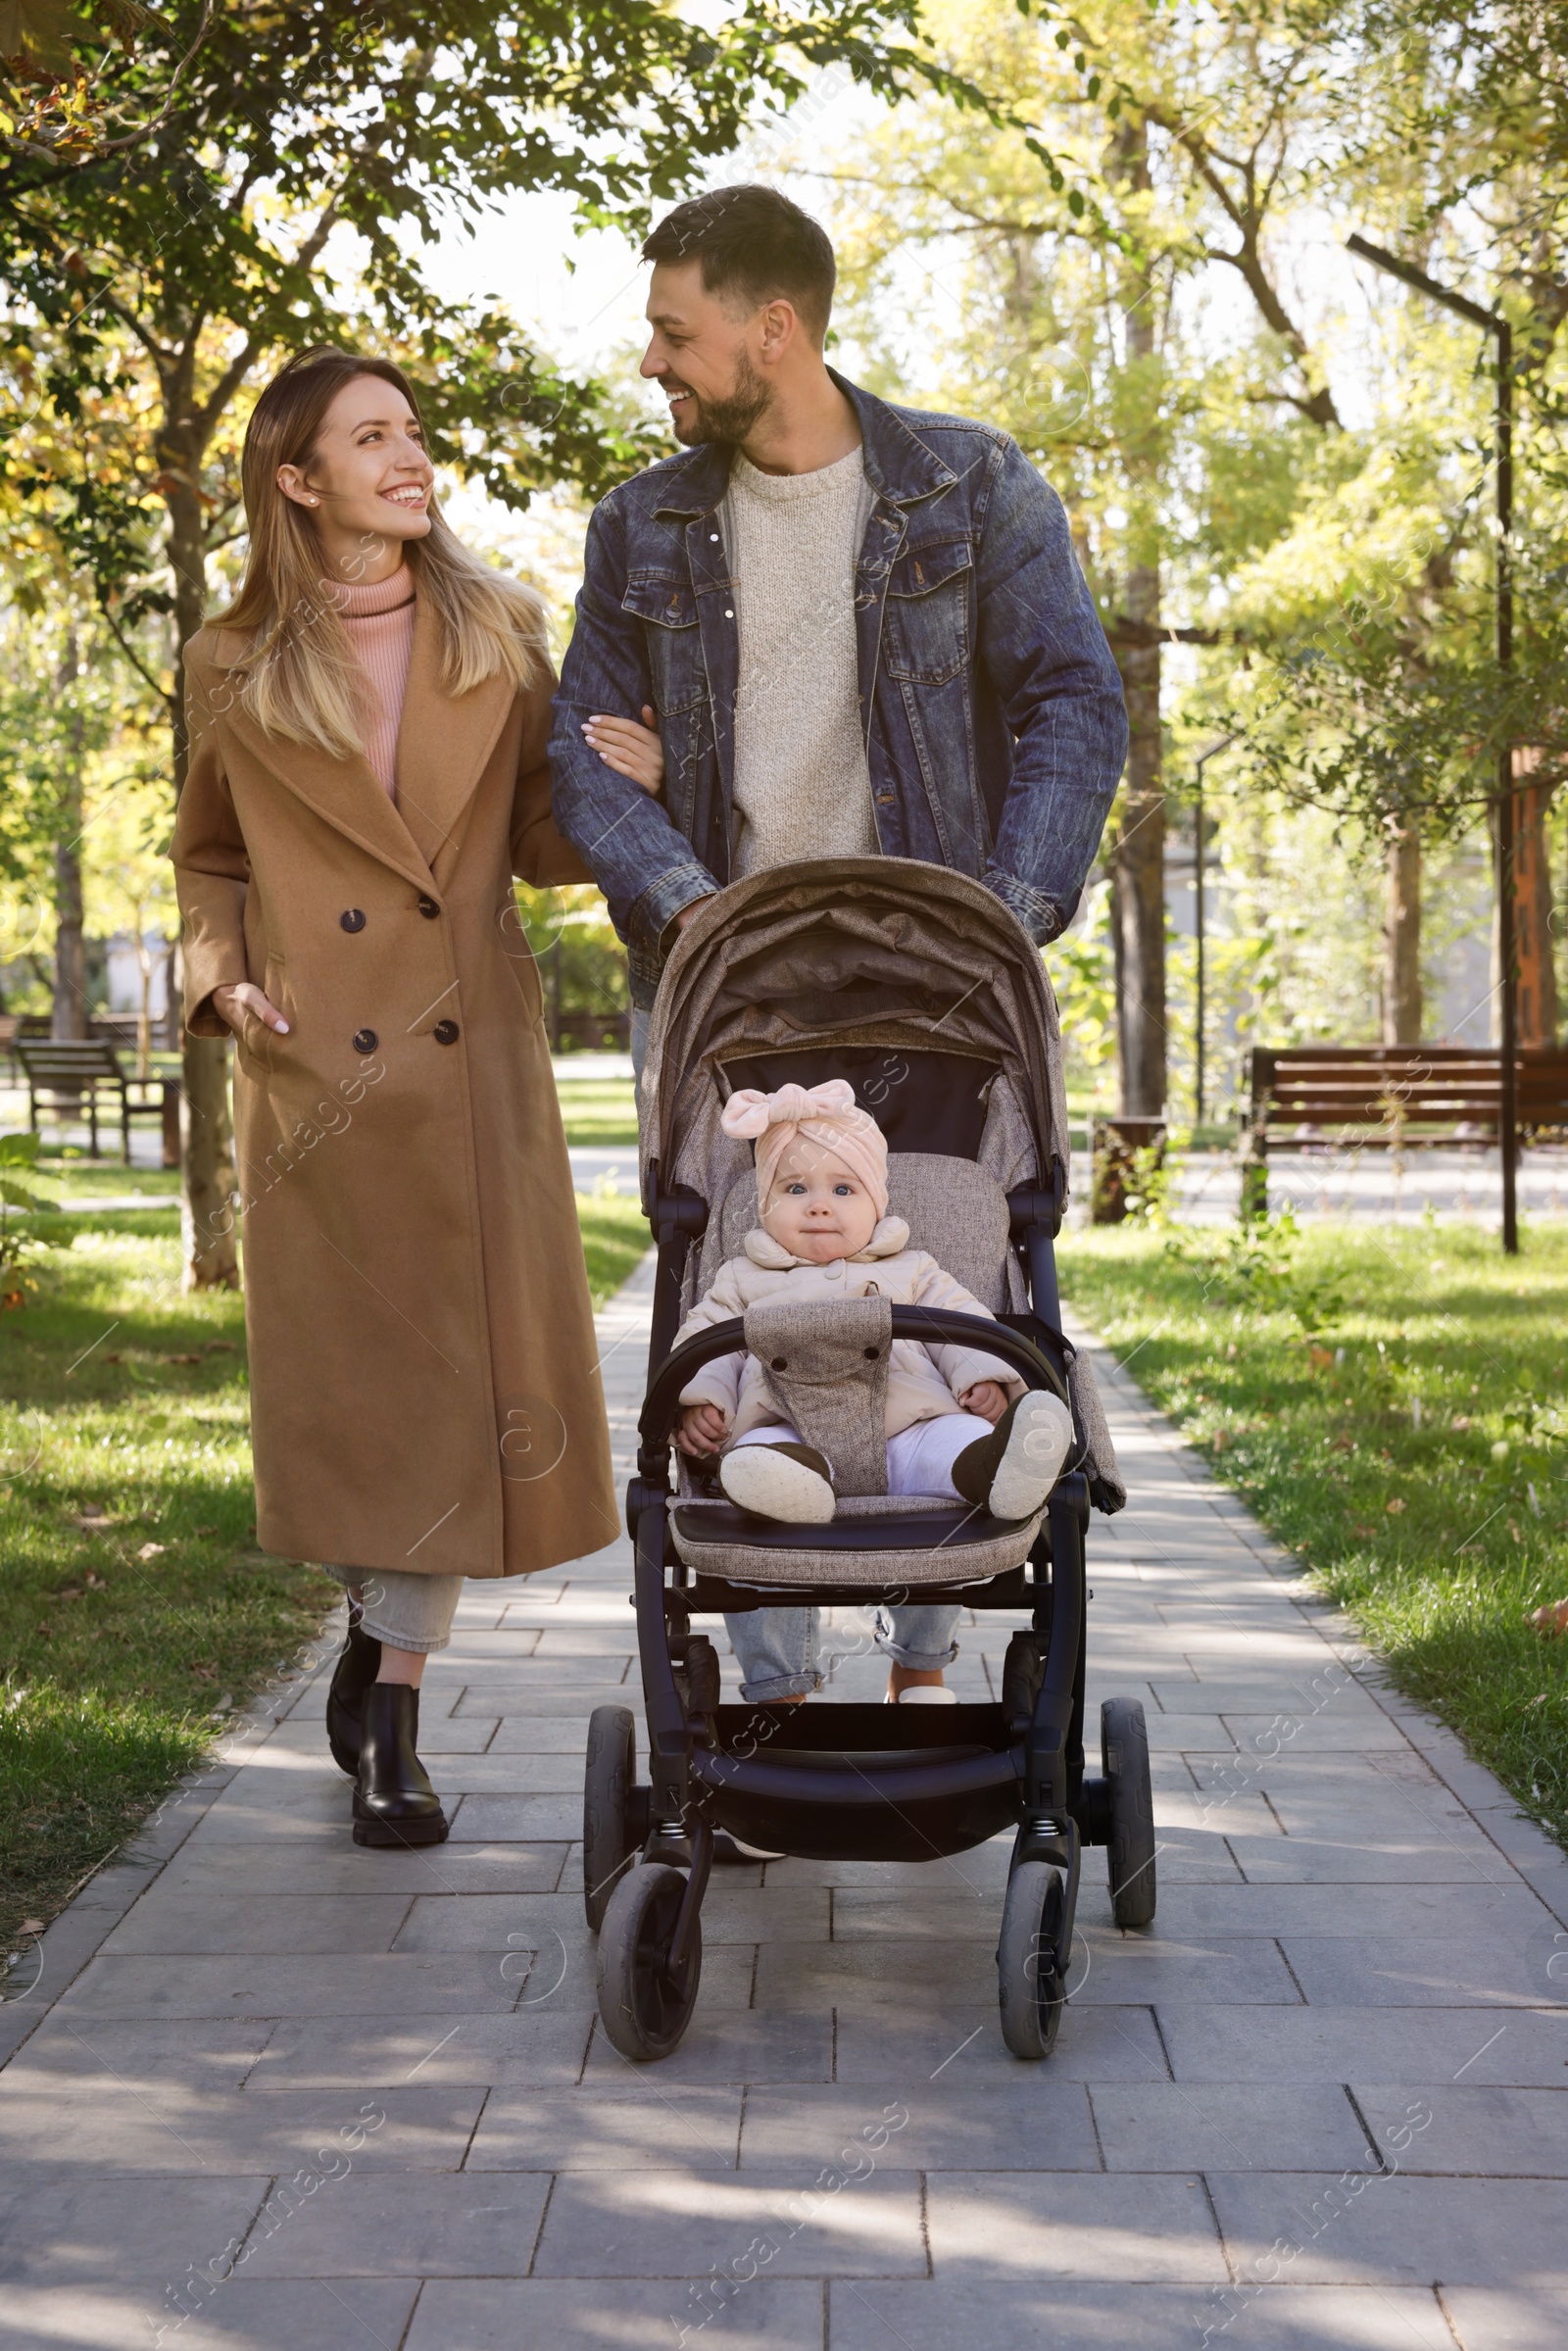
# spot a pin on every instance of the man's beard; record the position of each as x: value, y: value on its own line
x: 733, y: 417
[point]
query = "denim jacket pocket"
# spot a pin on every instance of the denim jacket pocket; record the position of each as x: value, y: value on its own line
x: 674, y: 640
x: 928, y: 625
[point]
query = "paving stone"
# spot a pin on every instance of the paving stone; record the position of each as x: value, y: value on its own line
x: 876, y: 1974
x: 1281, y: 1907
x: 1038, y: 2120
x: 382, y: 1983
x: 217, y: 2054
x: 1385, y: 2230
x: 1195, y: 2126
x: 109, y: 2127
x: 56, y: 2219
x: 1408, y: 1972
x: 766, y: 2314
x: 1499, y: 2318
x: 1524, y: 2047
x: 964, y: 2044
x: 489, y: 1818
x: 407, y: 2225
x: 938, y: 2313
x: 1022, y: 2224
x: 1464, y: 2128
x: 731, y: 2045
x: 542, y: 2047
x: 223, y: 1872
x: 608, y: 2129
x: 234, y: 2315
x: 170, y: 1922
x: 789, y: 2222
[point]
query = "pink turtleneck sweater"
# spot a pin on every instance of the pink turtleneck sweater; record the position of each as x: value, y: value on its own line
x: 380, y: 620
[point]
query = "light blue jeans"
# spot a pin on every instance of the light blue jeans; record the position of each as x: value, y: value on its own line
x: 776, y: 1648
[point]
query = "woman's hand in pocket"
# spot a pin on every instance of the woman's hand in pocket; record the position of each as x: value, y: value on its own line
x: 632, y: 750
x: 232, y: 1005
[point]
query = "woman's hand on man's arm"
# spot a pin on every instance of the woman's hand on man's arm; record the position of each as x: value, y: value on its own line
x: 232, y: 1005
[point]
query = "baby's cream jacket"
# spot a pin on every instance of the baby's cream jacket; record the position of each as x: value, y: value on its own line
x: 922, y: 1382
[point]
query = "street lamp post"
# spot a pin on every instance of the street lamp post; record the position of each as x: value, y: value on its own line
x: 1201, y: 762
x: 1495, y: 325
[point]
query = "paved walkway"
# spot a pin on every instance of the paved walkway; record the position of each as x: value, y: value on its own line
x: 1324, y: 2103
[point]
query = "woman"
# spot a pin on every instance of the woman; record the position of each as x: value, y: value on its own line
x: 367, y: 725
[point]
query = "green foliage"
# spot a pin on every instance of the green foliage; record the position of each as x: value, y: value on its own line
x: 21, y: 1205
x: 1416, y: 1466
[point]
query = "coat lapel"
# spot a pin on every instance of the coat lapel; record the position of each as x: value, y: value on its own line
x: 443, y: 742
x: 345, y: 793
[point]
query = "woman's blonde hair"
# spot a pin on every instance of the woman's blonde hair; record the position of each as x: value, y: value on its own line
x: 299, y: 676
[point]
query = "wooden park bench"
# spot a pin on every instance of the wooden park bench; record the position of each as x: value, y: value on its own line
x: 1318, y: 1098
x: 83, y: 1080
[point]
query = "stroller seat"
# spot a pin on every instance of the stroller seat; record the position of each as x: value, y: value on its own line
x: 959, y: 1215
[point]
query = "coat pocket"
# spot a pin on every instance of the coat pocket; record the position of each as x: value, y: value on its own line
x: 928, y: 613
x: 667, y: 607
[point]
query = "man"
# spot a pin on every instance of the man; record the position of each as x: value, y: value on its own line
x: 862, y: 628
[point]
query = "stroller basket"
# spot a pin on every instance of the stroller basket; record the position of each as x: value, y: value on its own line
x: 919, y: 986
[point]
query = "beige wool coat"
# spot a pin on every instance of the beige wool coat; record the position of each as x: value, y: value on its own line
x: 922, y: 1382
x: 425, y: 1386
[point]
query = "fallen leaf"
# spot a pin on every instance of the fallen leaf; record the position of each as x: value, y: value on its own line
x: 223, y: 1346
x: 69, y: 1591
x: 109, y: 1358
x: 204, y: 1530
x: 1550, y: 1620
x: 1321, y: 1357
x: 205, y: 1673
x: 1395, y: 1507
x: 183, y: 1359
x: 97, y: 1583
x: 1460, y: 1424
x: 1513, y: 1529
x: 30, y: 1926
x: 152, y: 1551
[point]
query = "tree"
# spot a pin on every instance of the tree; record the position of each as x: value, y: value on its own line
x: 224, y: 184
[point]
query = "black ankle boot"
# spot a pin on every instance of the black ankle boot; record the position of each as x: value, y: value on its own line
x: 357, y: 1668
x: 394, y: 1803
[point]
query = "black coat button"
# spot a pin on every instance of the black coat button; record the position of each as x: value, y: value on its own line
x: 364, y: 1041
x: 446, y: 1032
x: 429, y: 908
x: 779, y: 1364
x: 353, y: 919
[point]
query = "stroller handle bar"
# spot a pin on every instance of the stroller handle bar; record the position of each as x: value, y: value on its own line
x: 931, y: 1326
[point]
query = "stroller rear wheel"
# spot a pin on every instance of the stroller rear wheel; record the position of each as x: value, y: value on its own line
x: 608, y: 1841
x: 645, y: 2005
x: 1031, y: 1964
x: 1130, y: 1858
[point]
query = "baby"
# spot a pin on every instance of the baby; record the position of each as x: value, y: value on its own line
x: 959, y: 1423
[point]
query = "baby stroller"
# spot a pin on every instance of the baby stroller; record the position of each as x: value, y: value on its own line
x: 917, y: 985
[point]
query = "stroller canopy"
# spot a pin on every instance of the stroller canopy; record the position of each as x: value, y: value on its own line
x: 913, y: 981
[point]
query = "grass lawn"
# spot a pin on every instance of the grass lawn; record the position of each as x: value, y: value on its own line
x: 1394, y: 1405
x: 136, y: 1614
x: 598, y: 1111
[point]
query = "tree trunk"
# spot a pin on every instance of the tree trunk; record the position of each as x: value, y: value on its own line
x: 207, y: 1140
x: 1401, y: 936
x: 1537, y: 976
x: 1137, y: 898
x: 69, y: 1014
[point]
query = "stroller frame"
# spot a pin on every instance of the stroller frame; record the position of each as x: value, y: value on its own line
x: 850, y: 1780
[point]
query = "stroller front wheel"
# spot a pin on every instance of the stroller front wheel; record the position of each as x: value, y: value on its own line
x: 1031, y: 1964
x: 1124, y: 1749
x: 609, y: 1840
x: 645, y: 2005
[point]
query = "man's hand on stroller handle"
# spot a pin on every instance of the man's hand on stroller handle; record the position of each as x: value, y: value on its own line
x: 986, y: 1400
x: 701, y: 1430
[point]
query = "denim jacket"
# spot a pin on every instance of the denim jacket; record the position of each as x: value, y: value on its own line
x: 995, y: 726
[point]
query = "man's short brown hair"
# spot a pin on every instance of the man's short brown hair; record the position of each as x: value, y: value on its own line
x: 755, y: 244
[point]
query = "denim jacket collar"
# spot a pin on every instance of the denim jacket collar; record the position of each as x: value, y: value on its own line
x: 899, y: 466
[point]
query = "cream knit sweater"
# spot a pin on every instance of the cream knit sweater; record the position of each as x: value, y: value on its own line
x: 802, y: 789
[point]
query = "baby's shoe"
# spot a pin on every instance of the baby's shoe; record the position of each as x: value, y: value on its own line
x: 1010, y: 1472
x: 791, y: 1482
